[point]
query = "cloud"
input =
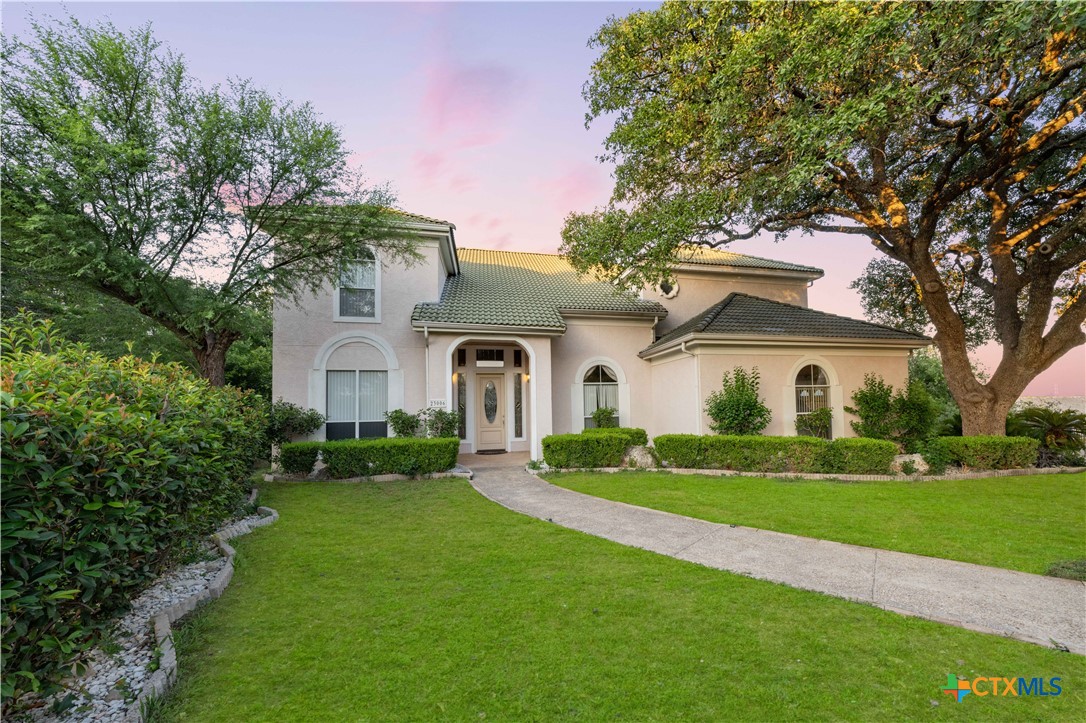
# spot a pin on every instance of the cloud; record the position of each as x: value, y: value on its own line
x: 578, y: 187
x: 467, y: 103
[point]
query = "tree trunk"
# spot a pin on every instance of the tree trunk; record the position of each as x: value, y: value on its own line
x: 212, y: 356
x: 987, y: 417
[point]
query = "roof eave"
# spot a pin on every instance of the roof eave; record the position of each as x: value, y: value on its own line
x: 729, y: 270
x: 422, y: 325
x: 697, y: 339
x: 612, y: 314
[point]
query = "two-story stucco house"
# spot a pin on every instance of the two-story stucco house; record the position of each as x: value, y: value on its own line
x: 523, y: 347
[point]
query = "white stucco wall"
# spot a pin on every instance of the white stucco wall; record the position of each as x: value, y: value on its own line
x: 614, y: 343
x: 778, y: 368
x: 307, y: 341
x: 698, y: 290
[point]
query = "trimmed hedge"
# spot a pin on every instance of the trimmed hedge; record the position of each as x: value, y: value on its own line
x: 638, y: 437
x: 602, y: 448
x: 776, y: 454
x: 299, y: 457
x: 680, y: 450
x: 859, y: 456
x: 742, y: 453
x: 111, y: 468
x: 407, y: 456
x: 990, y: 452
x: 762, y: 454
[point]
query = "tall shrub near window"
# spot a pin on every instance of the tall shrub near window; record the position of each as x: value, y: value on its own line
x: 874, y: 408
x: 737, y: 408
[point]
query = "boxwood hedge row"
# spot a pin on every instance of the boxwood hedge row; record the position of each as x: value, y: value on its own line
x: 369, y: 457
x: 408, y: 456
x: 776, y: 454
x: 110, y: 468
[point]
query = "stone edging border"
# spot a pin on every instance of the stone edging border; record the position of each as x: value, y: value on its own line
x: 166, y: 675
x: 375, y: 478
x: 813, y: 476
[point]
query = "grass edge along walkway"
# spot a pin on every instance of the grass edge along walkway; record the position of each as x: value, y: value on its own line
x: 1019, y: 523
x: 1033, y: 608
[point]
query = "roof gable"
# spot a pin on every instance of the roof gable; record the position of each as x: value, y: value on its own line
x: 744, y: 315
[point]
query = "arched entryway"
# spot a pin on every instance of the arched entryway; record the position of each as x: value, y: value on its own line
x: 491, y: 387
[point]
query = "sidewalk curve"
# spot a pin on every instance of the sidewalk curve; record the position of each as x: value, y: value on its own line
x: 1043, y: 610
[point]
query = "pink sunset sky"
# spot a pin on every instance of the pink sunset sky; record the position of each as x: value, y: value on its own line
x: 472, y: 112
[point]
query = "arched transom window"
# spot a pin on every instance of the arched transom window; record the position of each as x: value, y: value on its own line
x: 600, y: 390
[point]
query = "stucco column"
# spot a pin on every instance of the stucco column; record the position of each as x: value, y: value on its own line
x: 541, y: 393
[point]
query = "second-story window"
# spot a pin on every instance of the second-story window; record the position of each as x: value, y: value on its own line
x: 357, y: 296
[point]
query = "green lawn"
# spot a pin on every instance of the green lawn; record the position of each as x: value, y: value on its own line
x: 423, y: 601
x: 1021, y: 523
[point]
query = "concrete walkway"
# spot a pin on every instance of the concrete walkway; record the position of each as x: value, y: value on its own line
x: 1043, y: 610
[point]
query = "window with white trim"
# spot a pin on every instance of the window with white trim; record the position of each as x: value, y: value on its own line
x: 357, y: 294
x: 600, y: 390
x: 357, y: 402
x: 812, y: 390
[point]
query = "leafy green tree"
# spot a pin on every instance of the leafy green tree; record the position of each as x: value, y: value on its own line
x: 191, y: 204
x: 737, y: 407
x: 83, y: 315
x: 948, y: 135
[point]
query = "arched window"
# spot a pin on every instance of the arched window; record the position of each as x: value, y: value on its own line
x: 600, y: 390
x: 812, y: 392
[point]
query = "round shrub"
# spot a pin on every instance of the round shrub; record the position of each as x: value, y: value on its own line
x: 299, y: 457
x: 736, y: 408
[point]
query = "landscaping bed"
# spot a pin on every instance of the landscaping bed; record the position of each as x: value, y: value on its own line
x: 1022, y: 522
x: 422, y: 600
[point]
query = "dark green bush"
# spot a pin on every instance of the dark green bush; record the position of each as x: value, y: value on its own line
x: 407, y: 456
x: 859, y: 456
x: 638, y: 437
x: 818, y: 423
x: 110, y: 468
x: 937, y: 456
x: 441, y: 422
x: 874, y: 409
x: 605, y: 418
x: 737, y: 408
x: 907, y: 417
x: 299, y: 457
x: 991, y: 452
x: 762, y: 454
x: 287, y: 421
x: 604, y: 448
x: 404, y: 424
x: 683, y: 451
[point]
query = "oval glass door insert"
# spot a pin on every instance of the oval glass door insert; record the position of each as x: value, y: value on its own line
x: 490, y: 402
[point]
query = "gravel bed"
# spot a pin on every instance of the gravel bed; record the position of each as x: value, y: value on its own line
x: 115, y: 678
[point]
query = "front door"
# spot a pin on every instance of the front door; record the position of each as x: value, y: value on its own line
x: 490, y: 412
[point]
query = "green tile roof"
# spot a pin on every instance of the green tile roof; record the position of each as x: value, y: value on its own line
x: 420, y: 218
x: 745, y: 315
x: 517, y: 289
x: 704, y: 256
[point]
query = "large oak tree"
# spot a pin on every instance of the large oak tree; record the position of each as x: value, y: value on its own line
x: 193, y: 204
x: 949, y: 135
